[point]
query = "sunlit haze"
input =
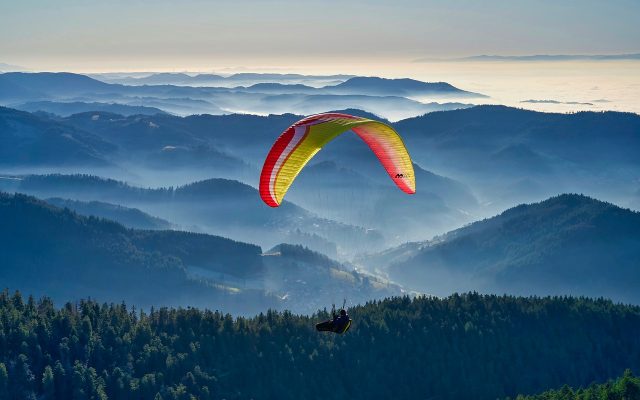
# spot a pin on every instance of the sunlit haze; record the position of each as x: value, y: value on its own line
x: 357, y: 37
x: 202, y: 35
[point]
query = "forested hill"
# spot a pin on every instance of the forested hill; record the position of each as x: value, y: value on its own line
x: 626, y: 387
x: 469, y: 346
x: 53, y: 251
x: 568, y: 244
x: 130, y: 217
x: 46, y: 250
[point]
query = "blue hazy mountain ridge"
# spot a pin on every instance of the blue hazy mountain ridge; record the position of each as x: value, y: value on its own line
x: 31, y: 140
x: 159, y: 143
x: 166, y: 78
x: 498, y: 148
x: 198, y: 156
x: 591, y: 139
x: 332, y: 173
x: 129, y: 217
x: 28, y: 87
x: 225, y: 207
x: 246, y: 137
x: 568, y: 244
x: 348, y: 154
x: 281, y: 88
x: 65, y: 109
x: 504, y: 155
x: 49, y: 84
x: 11, y: 91
x: 395, y: 107
x: 555, y: 145
x: 23, y: 87
x: 397, y: 87
x: 18, y: 88
x: 290, y: 77
x: 357, y: 190
x: 78, y: 257
x: 238, y: 79
x: 348, y: 83
x: 141, y: 133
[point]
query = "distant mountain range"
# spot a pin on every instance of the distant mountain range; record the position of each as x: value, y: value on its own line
x: 60, y: 93
x: 279, y: 88
x: 487, y: 158
x: 569, y: 244
x: 544, y: 57
x: 65, y: 109
x: 15, y: 86
x: 168, y: 78
x: 234, y: 80
x: 484, y: 144
x: 105, y: 139
x: 392, y: 107
x: 398, y: 87
x: 292, y: 83
x: 237, y: 139
x: 508, y: 155
x: 109, y: 238
x: 34, y: 141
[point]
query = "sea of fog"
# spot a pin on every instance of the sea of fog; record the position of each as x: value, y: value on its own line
x: 548, y: 86
x: 556, y: 86
x: 544, y: 86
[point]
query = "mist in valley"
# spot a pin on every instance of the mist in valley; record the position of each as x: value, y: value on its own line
x: 191, y: 170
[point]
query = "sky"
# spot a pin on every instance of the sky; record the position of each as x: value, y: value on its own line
x: 197, y: 35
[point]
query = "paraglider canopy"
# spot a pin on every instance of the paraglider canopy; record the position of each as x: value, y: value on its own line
x: 302, y: 140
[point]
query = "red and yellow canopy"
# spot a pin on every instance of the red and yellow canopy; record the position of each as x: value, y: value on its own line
x: 302, y: 140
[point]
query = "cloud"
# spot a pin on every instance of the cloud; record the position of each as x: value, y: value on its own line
x: 557, y: 102
x: 542, y: 57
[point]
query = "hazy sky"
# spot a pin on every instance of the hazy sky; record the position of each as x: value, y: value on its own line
x: 202, y: 35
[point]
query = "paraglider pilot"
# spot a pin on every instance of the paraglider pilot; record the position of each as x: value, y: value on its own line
x: 340, y: 323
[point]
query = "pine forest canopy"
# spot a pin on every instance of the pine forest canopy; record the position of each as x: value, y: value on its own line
x: 462, y: 346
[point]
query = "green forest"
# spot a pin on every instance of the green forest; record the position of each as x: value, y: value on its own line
x: 462, y: 346
x: 626, y: 387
